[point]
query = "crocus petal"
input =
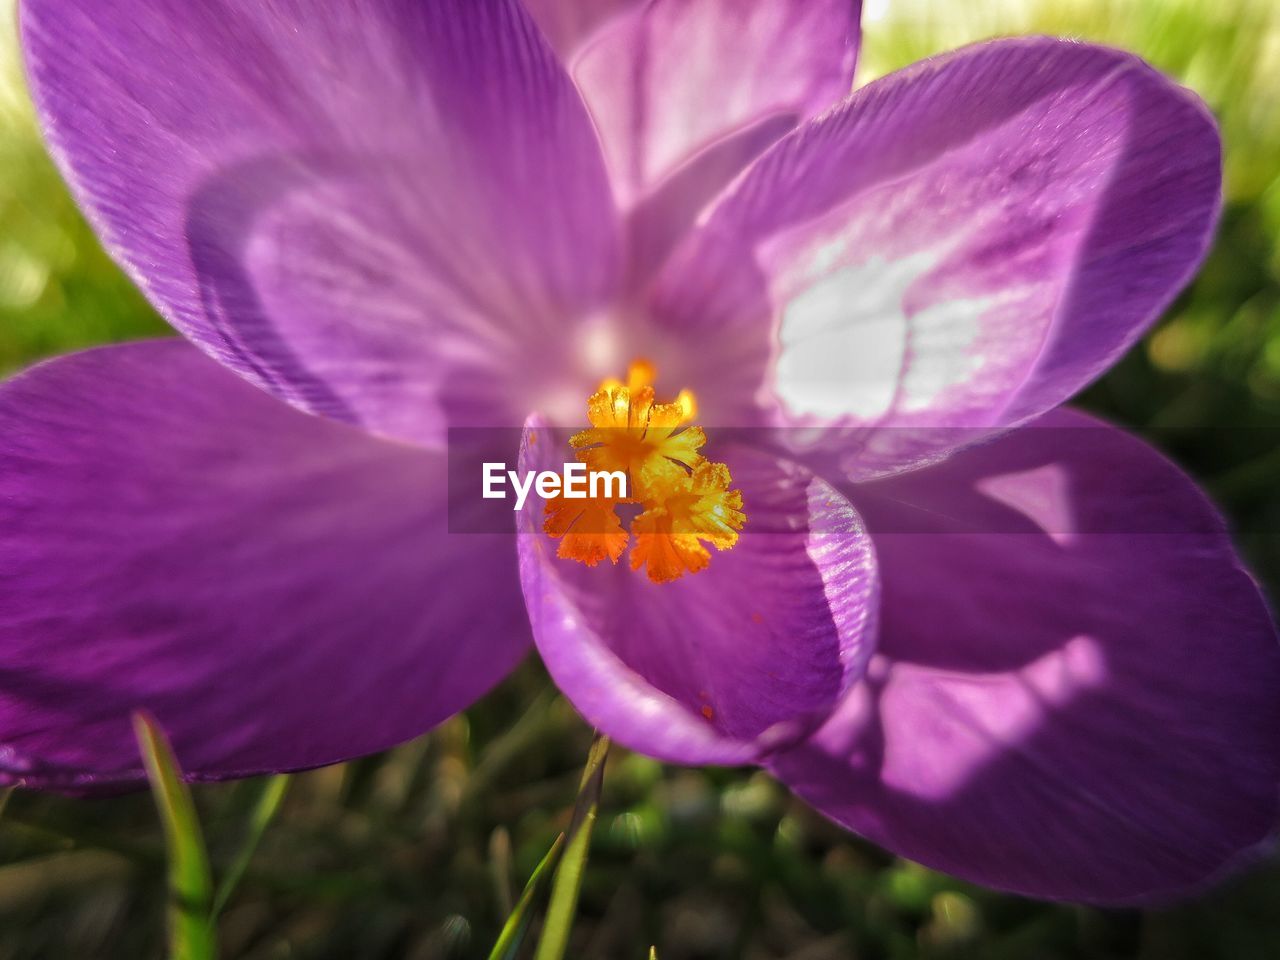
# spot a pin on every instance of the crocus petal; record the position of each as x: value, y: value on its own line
x: 380, y: 212
x: 685, y: 93
x: 569, y: 24
x: 279, y: 590
x: 669, y: 78
x: 725, y: 664
x: 1075, y: 695
x: 964, y: 243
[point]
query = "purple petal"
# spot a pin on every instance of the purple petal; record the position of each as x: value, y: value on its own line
x: 380, y: 212
x: 568, y: 24
x: 964, y: 243
x: 279, y: 590
x: 685, y: 93
x: 725, y: 664
x: 1075, y: 695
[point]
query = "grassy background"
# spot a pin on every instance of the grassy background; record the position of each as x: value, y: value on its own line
x: 415, y: 853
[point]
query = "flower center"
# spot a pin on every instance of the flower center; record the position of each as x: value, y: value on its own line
x: 685, y: 501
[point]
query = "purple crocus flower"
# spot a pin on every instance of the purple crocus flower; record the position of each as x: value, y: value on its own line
x: 1034, y: 661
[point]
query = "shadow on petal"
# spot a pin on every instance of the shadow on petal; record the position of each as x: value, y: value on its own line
x: 1073, y: 713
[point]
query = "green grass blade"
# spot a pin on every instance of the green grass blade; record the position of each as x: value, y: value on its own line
x: 517, y: 925
x: 191, y: 935
x: 264, y: 811
x: 568, y: 882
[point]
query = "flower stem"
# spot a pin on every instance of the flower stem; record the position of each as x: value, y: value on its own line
x: 264, y: 810
x: 191, y: 931
x: 517, y: 924
x: 568, y: 881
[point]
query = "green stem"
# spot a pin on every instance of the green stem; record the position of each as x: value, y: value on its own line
x: 191, y: 933
x: 568, y: 882
x: 264, y: 811
x: 517, y: 924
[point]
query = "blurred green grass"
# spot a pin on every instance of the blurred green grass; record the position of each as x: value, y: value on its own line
x: 417, y: 853
x: 58, y: 290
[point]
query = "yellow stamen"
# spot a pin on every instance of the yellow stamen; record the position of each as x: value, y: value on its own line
x: 640, y: 374
x: 588, y: 530
x: 633, y: 433
x: 670, y: 537
x: 685, y: 500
